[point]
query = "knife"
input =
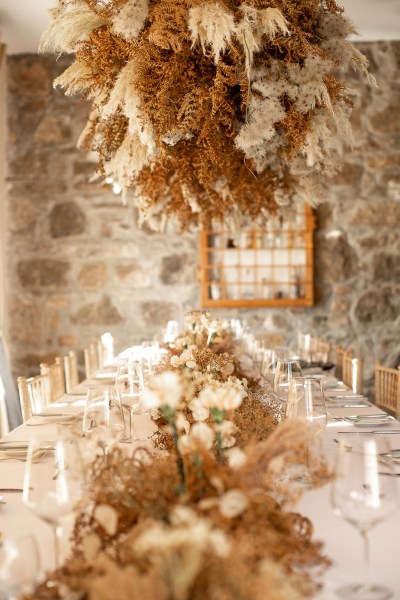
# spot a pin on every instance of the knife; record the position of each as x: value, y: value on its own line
x: 363, y: 405
x: 342, y: 396
x: 377, y: 416
x: 382, y: 432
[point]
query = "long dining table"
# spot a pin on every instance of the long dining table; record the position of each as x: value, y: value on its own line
x: 342, y: 542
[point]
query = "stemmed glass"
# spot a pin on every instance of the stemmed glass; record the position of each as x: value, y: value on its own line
x: 363, y: 495
x: 103, y: 417
x: 269, y: 359
x: 53, y: 483
x: 285, y: 371
x: 129, y: 385
x: 306, y: 401
x: 19, y: 566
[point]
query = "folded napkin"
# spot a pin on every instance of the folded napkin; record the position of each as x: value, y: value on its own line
x: 22, y: 453
x: 49, y: 418
x: 369, y: 420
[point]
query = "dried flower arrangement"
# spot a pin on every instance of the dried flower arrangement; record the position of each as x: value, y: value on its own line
x: 212, y: 517
x: 210, y: 109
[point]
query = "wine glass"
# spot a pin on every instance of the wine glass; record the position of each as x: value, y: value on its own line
x: 103, y: 417
x: 363, y: 495
x: 306, y: 401
x: 53, y: 482
x: 285, y: 370
x: 129, y: 385
x: 19, y: 566
x: 269, y: 358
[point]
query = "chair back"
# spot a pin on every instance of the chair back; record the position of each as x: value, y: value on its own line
x: 352, y: 372
x: 55, y: 373
x: 34, y: 394
x: 71, y: 371
x: 387, y: 388
x: 91, y: 360
x: 340, y: 353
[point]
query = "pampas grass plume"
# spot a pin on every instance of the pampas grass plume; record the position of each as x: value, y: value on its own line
x: 68, y: 27
x: 76, y: 78
x: 212, y: 25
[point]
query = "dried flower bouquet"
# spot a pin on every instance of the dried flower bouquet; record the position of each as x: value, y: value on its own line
x: 210, y: 109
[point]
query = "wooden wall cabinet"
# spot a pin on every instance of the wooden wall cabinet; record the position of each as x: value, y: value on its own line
x: 268, y: 266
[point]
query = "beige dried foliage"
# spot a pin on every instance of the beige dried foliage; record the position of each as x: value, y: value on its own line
x: 77, y: 78
x: 71, y: 25
x: 211, y: 25
x: 217, y: 91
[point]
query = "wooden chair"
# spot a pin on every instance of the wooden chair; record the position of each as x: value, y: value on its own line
x: 34, y: 394
x: 71, y: 371
x: 387, y: 388
x: 322, y: 351
x: 340, y: 353
x: 91, y: 361
x: 352, y: 372
x: 55, y: 372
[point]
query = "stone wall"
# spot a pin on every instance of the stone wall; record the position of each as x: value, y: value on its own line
x: 78, y: 265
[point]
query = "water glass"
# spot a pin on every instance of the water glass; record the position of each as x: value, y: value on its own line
x: 53, y: 482
x: 364, y: 494
x: 103, y: 417
x: 285, y: 371
x: 19, y: 566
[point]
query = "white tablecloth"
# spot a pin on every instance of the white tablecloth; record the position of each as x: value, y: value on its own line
x: 342, y: 541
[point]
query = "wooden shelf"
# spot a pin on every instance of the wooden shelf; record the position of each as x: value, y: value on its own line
x: 270, y: 266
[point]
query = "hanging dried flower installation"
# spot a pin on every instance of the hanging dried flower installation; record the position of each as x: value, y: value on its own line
x: 210, y: 109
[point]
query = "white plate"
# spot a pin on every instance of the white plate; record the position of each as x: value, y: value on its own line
x: 369, y: 420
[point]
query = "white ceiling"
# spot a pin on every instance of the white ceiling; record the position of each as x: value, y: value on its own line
x: 22, y: 21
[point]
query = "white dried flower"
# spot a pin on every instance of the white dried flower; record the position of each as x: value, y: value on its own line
x: 155, y: 414
x: 227, y: 369
x: 175, y: 361
x: 220, y: 543
x: 222, y: 397
x: 182, y: 424
x: 225, y: 428
x: 164, y: 390
x: 199, y: 411
x: 233, y: 503
x: 236, y: 458
x: 200, y: 436
x: 91, y: 545
x: 129, y: 21
x: 107, y: 517
x: 182, y: 515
